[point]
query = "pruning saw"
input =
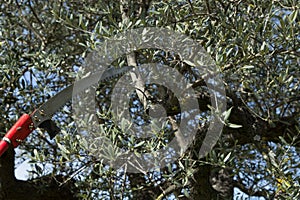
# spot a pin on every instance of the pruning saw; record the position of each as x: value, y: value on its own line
x: 41, y: 117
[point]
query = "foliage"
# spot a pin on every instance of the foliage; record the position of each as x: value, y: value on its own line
x: 255, y: 44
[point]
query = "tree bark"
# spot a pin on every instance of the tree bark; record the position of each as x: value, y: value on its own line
x: 211, y: 183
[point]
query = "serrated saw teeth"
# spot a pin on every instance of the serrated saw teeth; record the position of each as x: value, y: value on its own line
x: 59, y: 100
x: 41, y: 117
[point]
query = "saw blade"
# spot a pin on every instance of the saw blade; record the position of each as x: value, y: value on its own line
x: 46, y: 110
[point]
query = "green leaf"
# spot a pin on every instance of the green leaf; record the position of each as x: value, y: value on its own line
x: 63, y: 149
x: 36, y: 154
x: 293, y: 15
x: 227, y: 114
x: 139, y: 144
x: 189, y: 63
x: 227, y: 157
x: 234, y: 125
x: 80, y: 20
x: 248, y: 67
x: 181, y: 165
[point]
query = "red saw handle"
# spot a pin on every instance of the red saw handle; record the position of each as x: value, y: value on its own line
x: 18, y: 132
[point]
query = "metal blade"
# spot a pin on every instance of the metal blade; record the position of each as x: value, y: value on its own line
x: 45, y: 111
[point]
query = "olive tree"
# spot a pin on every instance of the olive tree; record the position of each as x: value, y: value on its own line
x: 255, y: 47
